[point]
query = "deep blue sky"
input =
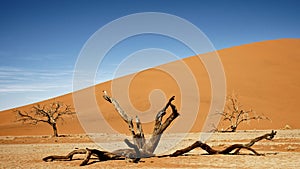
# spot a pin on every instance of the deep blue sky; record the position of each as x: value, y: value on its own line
x: 40, y: 40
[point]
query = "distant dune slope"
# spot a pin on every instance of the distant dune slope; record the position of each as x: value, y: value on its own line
x: 264, y: 74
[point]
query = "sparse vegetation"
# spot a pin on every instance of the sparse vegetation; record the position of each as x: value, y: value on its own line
x: 49, y: 114
x: 236, y: 115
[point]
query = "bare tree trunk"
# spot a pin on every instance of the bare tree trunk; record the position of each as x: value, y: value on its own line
x: 233, y: 128
x: 160, y: 127
x: 55, y: 133
x: 146, y: 148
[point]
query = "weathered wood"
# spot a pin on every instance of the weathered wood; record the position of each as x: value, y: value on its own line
x: 228, y: 150
x: 101, y: 155
x: 146, y: 147
x: 67, y: 157
x: 139, y: 137
x: 160, y: 127
x: 121, y: 112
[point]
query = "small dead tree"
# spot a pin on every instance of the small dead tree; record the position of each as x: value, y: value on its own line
x: 235, y: 115
x: 49, y: 114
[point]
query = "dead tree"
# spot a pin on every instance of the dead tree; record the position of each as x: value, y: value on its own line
x: 228, y: 150
x: 131, y: 156
x: 235, y: 115
x: 50, y: 114
x: 146, y: 148
x: 142, y: 148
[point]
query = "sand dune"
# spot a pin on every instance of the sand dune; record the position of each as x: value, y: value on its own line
x: 264, y: 74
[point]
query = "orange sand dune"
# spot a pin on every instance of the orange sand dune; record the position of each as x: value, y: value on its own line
x: 264, y: 74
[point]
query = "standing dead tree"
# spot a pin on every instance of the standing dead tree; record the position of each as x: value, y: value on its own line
x: 142, y: 148
x: 235, y: 115
x: 146, y: 148
x: 50, y: 114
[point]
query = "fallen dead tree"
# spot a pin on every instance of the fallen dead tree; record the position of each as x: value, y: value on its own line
x: 142, y: 148
x: 228, y: 150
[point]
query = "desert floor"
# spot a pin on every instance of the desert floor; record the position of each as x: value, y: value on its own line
x: 282, y: 152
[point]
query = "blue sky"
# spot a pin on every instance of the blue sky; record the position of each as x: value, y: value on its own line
x: 40, y: 40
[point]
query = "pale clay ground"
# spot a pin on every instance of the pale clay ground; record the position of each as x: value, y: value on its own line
x: 282, y: 152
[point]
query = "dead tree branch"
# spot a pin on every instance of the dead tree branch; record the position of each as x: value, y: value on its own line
x: 228, y: 150
x: 101, y: 155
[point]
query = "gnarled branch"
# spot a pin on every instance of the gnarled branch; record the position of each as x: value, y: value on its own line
x: 146, y: 148
x: 228, y: 150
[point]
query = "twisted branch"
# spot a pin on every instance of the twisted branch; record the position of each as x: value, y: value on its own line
x: 228, y: 150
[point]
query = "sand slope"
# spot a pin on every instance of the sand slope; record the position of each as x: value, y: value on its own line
x: 264, y: 74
